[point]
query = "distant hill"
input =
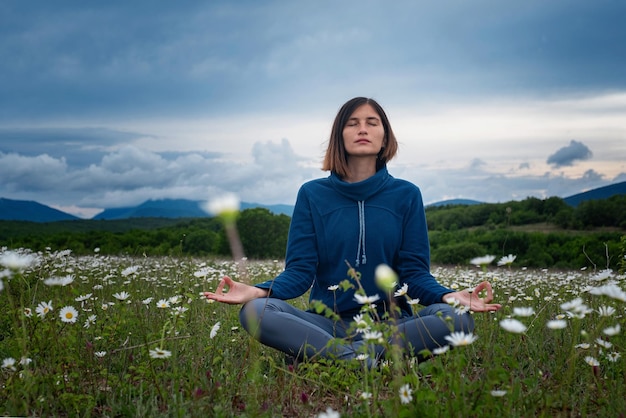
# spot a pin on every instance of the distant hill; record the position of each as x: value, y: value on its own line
x: 23, y: 210
x: 162, y: 208
x: 597, y: 194
x: 455, y: 202
x: 177, y: 208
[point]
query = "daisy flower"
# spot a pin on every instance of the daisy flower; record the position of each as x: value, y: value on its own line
x: 329, y: 413
x: 163, y: 303
x: 610, y: 290
x: 441, y: 350
x: 498, y: 393
x: 373, y: 335
x: 68, y: 314
x: 59, y: 281
x: 482, y: 261
x: 130, y: 270
x: 25, y: 361
x: 9, y: 364
x: 28, y: 312
x: 366, y: 395
x: 91, y: 320
x: 17, y: 261
x: 613, y: 357
x: 402, y: 291
x: 603, y: 343
x: 83, y: 298
x: 602, y: 275
x: 214, y: 330
x: 100, y: 354
x: 507, y: 260
x: 460, y: 338
x: 333, y: 287
x: 610, y: 331
x: 160, y: 353
x: 43, y: 308
x: 405, y: 394
x: 147, y: 301
x: 121, y: 295
x: 513, y: 325
x: 524, y: 312
x: 557, y: 324
x: 592, y: 361
x: 606, y: 311
x: 363, y: 300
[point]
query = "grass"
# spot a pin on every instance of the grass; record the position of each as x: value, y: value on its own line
x: 101, y: 364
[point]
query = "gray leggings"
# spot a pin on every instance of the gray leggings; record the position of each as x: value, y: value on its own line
x: 304, y: 334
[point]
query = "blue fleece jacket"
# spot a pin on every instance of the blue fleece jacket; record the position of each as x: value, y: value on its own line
x: 375, y: 221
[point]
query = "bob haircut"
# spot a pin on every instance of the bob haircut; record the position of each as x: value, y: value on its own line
x: 336, y: 158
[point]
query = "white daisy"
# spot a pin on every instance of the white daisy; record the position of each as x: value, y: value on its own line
x: 363, y: 300
x: 405, y: 394
x: 9, y: 364
x: 160, y: 353
x: 121, y: 295
x: 214, y: 330
x: 59, y: 281
x: 460, y: 338
x: 557, y: 324
x: 43, y: 308
x: 614, y: 330
x: 68, y: 314
x: 513, y: 325
x: 524, y: 312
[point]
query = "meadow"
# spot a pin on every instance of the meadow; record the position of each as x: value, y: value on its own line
x: 108, y: 336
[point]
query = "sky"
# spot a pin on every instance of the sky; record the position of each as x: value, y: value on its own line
x: 109, y: 104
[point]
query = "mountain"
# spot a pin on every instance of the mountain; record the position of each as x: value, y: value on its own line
x: 455, y: 202
x: 162, y: 208
x: 23, y: 210
x: 177, y: 208
x: 597, y: 194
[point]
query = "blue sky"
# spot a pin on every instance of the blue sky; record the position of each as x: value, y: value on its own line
x: 109, y: 104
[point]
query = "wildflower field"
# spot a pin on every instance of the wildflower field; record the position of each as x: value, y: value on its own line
x: 114, y: 336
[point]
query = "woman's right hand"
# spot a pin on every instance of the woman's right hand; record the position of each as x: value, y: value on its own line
x: 236, y: 292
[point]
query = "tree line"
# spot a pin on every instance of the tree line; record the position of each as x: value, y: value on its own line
x: 541, y: 233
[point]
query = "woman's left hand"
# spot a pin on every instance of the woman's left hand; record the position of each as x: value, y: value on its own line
x: 472, y: 299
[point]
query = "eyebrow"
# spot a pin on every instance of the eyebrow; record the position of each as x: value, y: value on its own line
x: 369, y: 118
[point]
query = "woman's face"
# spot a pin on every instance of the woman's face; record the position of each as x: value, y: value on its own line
x: 363, y: 134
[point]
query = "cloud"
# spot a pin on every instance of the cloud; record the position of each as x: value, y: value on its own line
x: 130, y: 175
x: 566, y: 156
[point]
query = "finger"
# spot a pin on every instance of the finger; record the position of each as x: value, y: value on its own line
x: 485, y: 286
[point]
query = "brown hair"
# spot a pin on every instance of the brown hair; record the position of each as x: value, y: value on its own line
x: 336, y: 159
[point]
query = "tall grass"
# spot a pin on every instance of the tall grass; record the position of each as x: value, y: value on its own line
x: 204, y: 364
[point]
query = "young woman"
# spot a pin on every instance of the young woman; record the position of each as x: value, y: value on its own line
x: 360, y: 216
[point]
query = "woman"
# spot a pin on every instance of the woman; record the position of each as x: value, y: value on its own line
x: 362, y: 217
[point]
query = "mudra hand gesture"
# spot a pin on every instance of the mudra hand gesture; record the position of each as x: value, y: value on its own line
x: 472, y: 298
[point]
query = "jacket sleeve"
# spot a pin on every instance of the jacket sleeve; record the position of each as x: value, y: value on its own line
x: 301, y: 258
x: 414, y: 257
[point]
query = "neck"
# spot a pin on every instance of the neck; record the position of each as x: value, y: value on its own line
x: 360, y: 169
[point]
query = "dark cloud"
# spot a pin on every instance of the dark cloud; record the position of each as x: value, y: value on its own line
x: 567, y: 156
x: 219, y: 57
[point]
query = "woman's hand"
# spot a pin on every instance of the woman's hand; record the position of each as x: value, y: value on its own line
x: 236, y: 292
x: 471, y: 298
